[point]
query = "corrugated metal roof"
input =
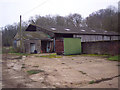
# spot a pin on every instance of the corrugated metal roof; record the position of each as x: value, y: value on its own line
x: 70, y: 30
x: 47, y: 32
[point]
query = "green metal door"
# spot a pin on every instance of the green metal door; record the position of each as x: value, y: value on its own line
x: 72, y: 46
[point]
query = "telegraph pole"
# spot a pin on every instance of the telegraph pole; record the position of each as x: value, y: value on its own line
x: 21, y: 34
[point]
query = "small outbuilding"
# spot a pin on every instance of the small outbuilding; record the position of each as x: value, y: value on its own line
x: 34, y: 41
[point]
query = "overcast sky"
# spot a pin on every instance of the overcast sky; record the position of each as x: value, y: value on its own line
x: 10, y: 10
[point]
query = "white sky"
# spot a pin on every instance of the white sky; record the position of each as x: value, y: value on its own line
x: 10, y: 10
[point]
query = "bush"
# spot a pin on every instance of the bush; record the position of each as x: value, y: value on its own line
x: 91, y: 82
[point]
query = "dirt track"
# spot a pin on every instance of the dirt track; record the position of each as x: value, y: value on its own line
x: 65, y: 72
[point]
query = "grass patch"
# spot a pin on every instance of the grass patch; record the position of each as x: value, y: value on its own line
x: 72, y: 55
x: 7, y: 50
x: 20, y: 54
x: 114, y: 58
x: 0, y: 52
x: 91, y: 82
x: 51, y: 56
x: 82, y: 72
x: 36, y: 66
x: 30, y: 72
x: 23, y: 66
x: 111, y: 58
x: 93, y: 55
x: 88, y: 55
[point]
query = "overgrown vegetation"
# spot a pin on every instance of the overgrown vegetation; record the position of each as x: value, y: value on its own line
x: 9, y: 32
x: 11, y: 50
x: 30, y: 72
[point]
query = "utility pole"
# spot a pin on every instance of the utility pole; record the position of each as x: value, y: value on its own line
x: 21, y: 35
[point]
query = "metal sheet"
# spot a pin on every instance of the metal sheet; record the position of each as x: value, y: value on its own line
x: 72, y: 46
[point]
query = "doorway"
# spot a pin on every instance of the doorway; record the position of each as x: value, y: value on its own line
x: 46, y: 46
x: 43, y: 46
x: 32, y: 47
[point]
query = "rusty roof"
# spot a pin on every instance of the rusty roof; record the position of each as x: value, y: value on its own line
x: 33, y: 35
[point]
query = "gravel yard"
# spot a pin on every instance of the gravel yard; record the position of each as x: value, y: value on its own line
x: 75, y: 71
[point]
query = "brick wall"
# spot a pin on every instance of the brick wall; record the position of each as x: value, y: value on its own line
x: 101, y: 47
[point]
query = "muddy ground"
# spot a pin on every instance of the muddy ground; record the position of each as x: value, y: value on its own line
x: 77, y: 71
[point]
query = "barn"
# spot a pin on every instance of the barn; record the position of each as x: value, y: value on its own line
x: 64, y: 40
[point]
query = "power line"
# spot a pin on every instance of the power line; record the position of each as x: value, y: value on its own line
x: 35, y: 7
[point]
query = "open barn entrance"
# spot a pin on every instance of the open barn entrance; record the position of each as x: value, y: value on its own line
x: 46, y: 46
x: 43, y: 46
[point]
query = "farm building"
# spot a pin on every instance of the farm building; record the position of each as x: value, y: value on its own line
x: 63, y: 40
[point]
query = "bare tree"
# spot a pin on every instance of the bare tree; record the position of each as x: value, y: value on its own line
x: 104, y: 19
